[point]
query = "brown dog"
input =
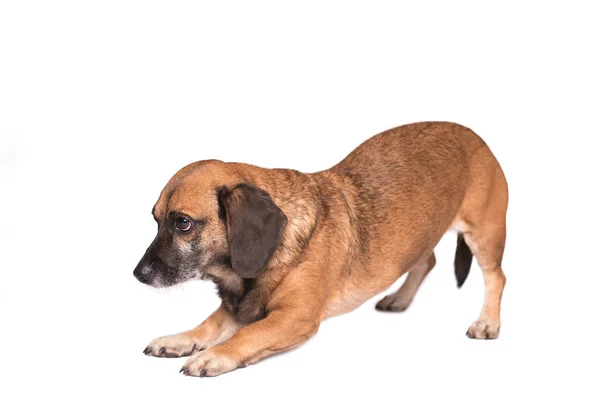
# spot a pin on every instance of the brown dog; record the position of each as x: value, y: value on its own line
x: 288, y: 249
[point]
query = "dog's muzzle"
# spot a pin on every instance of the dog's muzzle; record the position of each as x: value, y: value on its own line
x: 148, y: 267
x: 144, y: 273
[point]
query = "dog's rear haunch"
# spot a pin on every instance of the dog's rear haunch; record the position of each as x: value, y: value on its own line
x: 288, y: 249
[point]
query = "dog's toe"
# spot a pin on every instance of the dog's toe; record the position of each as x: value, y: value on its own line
x: 484, y: 329
x: 171, y: 346
x: 208, y: 363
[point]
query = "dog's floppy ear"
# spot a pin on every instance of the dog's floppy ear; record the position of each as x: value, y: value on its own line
x: 254, y: 227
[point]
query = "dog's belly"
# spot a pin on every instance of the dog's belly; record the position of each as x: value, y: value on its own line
x: 353, y: 296
x: 345, y: 303
x: 362, y: 285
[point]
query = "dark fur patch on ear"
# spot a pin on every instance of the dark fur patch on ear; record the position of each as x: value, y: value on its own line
x: 254, y: 228
x: 222, y: 193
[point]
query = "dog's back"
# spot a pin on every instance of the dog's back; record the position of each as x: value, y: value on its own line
x: 409, y: 185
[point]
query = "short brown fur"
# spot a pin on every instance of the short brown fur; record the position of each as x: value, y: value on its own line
x: 351, y: 232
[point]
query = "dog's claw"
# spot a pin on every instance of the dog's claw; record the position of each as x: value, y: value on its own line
x: 203, y: 372
x: 147, y: 350
x: 162, y: 351
x: 183, y: 369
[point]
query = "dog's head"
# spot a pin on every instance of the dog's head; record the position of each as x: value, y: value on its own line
x: 210, y: 224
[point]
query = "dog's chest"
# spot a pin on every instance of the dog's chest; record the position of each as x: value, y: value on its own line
x: 246, y: 305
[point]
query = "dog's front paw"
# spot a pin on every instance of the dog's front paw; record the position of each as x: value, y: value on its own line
x: 209, y: 363
x: 484, y: 329
x: 172, y: 346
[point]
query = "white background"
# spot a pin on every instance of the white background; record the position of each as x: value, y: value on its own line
x: 101, y: 102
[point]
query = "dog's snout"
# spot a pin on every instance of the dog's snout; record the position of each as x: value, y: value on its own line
x: 143, y: 273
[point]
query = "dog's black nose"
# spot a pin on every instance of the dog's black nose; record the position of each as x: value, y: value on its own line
x: 143, y: 273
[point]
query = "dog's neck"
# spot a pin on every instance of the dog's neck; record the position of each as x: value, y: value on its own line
x: 297, y: 195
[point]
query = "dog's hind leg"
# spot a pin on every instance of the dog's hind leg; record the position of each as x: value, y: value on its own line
x: 484, y: 221
x: 400, y: 300
x: 487, y: 244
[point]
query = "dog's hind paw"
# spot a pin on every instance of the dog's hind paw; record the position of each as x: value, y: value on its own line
x: 392, y: 303
x: 484, y: 329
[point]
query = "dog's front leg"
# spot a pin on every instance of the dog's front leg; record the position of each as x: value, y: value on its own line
x: 282, y: 329
x: 217, y: 328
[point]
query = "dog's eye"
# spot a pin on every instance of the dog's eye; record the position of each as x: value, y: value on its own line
x: 183, y: 224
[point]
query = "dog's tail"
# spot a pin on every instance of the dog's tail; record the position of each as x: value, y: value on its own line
x: 462, y: 260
